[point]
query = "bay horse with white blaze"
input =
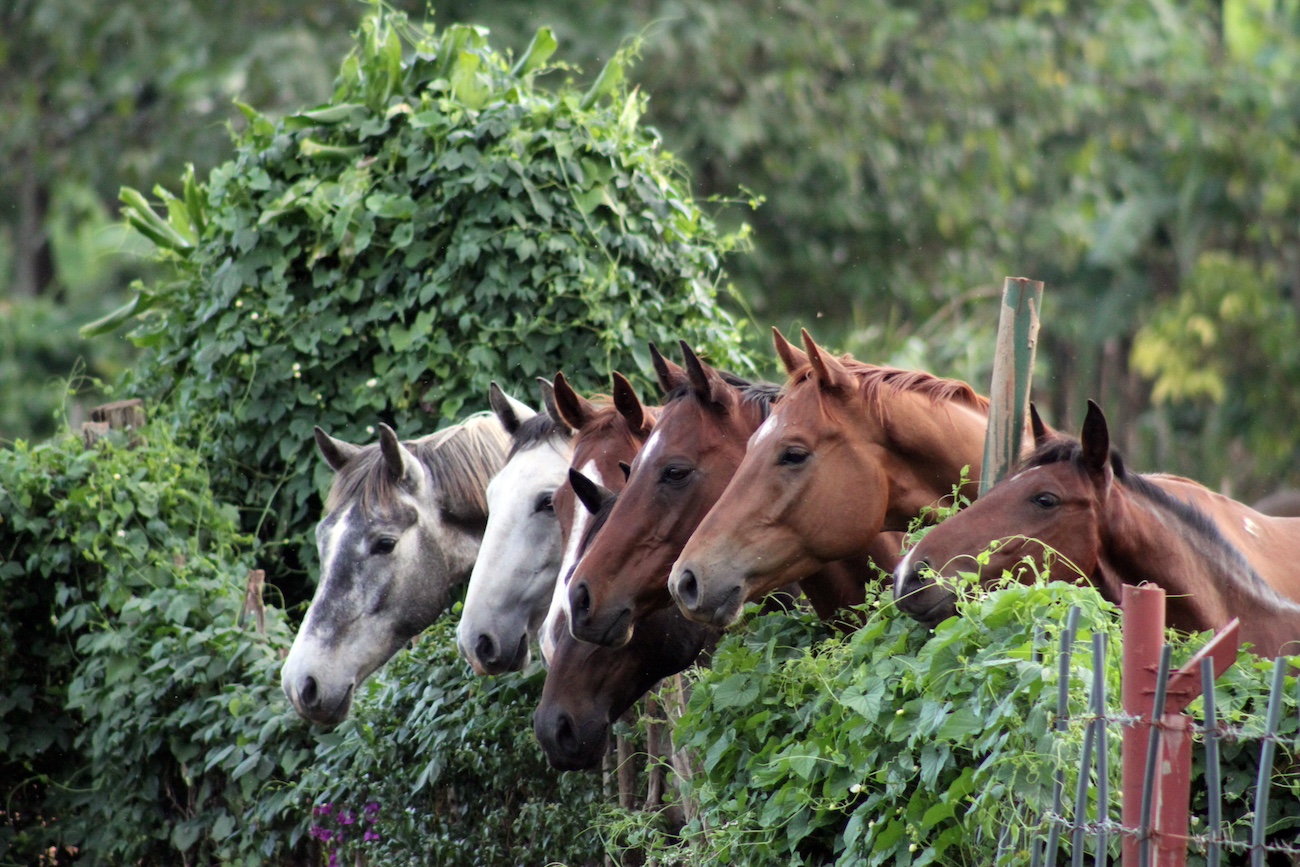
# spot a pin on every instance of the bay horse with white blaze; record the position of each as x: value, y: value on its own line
x: 850, y: 450
x: 402, y: 527
x: 1076, y: 511
x: 607, y: 438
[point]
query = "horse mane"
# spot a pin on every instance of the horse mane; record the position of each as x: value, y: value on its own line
x: 608, y: 418
x: 534, y: 431
x: 763, y: 394
x: 1065, y: 449
x: 461, y: 460
x: 876, y: 382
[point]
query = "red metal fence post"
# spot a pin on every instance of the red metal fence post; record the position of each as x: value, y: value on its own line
x: 1144, y: 627
x: 1143, y: 610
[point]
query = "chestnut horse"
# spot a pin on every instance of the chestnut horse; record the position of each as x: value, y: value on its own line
x: 1075, y: 509
x: 606, y: 438
x: 850, y: 450
x: 697, y: 443
x: 588, y: 686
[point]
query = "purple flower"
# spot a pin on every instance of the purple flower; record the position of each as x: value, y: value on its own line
x: 347, y: 818
x: 334, y: 858
x: 370, y: 836
x: 322, y: 810
x: 323, y: 834
x: 372, y: 810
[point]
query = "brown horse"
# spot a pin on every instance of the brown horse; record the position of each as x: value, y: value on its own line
x: 697, y: 444
x: 850, y: 450
x: 606, y: 438
x: 1074, y: 509
x: 588, y: 686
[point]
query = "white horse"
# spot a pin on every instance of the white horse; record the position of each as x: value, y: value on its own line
x: 402, y: 527
x: 512, y: 583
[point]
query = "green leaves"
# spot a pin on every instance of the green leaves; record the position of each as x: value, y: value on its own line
x: 444, y: 221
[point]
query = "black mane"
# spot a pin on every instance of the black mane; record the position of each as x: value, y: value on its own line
x: 762, y: 393
x: 537, y: 429
x: 1064, y: 449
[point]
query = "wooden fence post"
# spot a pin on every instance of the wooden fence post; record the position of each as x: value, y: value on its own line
x: 1013, y: 373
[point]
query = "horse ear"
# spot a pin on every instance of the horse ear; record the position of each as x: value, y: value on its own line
x: 703, y: 381
x: 628, y: 404
x: 831, y: 375
x: 626, y: 468
x: 400, y: 461
x: 510, y: 412
x: 548, y: 401
x: 670, y: 375
x: 1095, y: 439
x: 791, y: 358
x: 574, y: 409
x: 336, y: 452
x: 589, y: 493
x: 1041, y: 431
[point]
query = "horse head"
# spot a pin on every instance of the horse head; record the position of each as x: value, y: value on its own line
x: 402, y: 526
x: 849, y: 450
x: 513, y: 579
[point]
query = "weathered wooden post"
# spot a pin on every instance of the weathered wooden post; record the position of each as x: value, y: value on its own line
x: 1013, y: 373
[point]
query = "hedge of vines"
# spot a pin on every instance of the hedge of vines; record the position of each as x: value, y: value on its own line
x: 446, y: 220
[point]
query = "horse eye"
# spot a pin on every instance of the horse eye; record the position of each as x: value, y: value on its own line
x: 544, y: 504
x: 793, y: 456
x: 383, y: 546
x: 675, y: 474
x: 1046, y: 500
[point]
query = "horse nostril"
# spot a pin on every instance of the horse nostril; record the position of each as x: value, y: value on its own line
x: 566, y: 736
x: 485, y: 648
x: 688, y: 589
x: 580, y: 601
x: 310, y: 693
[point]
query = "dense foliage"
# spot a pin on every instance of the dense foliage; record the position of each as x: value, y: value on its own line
x: 898, y: 745
x: 448, y: 767
x: 140, y: 719
x: 444, y: 222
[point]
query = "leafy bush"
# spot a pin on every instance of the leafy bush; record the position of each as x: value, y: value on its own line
x: 441, y: 767
x: 443, y: 222
x: 895, y: 745
x: 139, y: 722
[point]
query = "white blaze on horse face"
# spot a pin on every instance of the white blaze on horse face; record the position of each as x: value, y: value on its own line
x: 647, y: 454
x: 560, y: 600
x: 512, y: 583
x: 766, y: 430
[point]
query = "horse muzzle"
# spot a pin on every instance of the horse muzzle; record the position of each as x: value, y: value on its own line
x: 316, y: 701
x: 919, y: 595
x: 607, y: 626
x: 705, y: 602
x: 570, y: 743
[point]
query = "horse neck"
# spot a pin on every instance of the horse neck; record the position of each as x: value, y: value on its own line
x: 926, y: 444
x: 1207, y: 581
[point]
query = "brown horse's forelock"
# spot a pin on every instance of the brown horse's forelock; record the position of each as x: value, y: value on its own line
x: 607, y: 418
x: 763, y: 394
x: 461, y: 460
